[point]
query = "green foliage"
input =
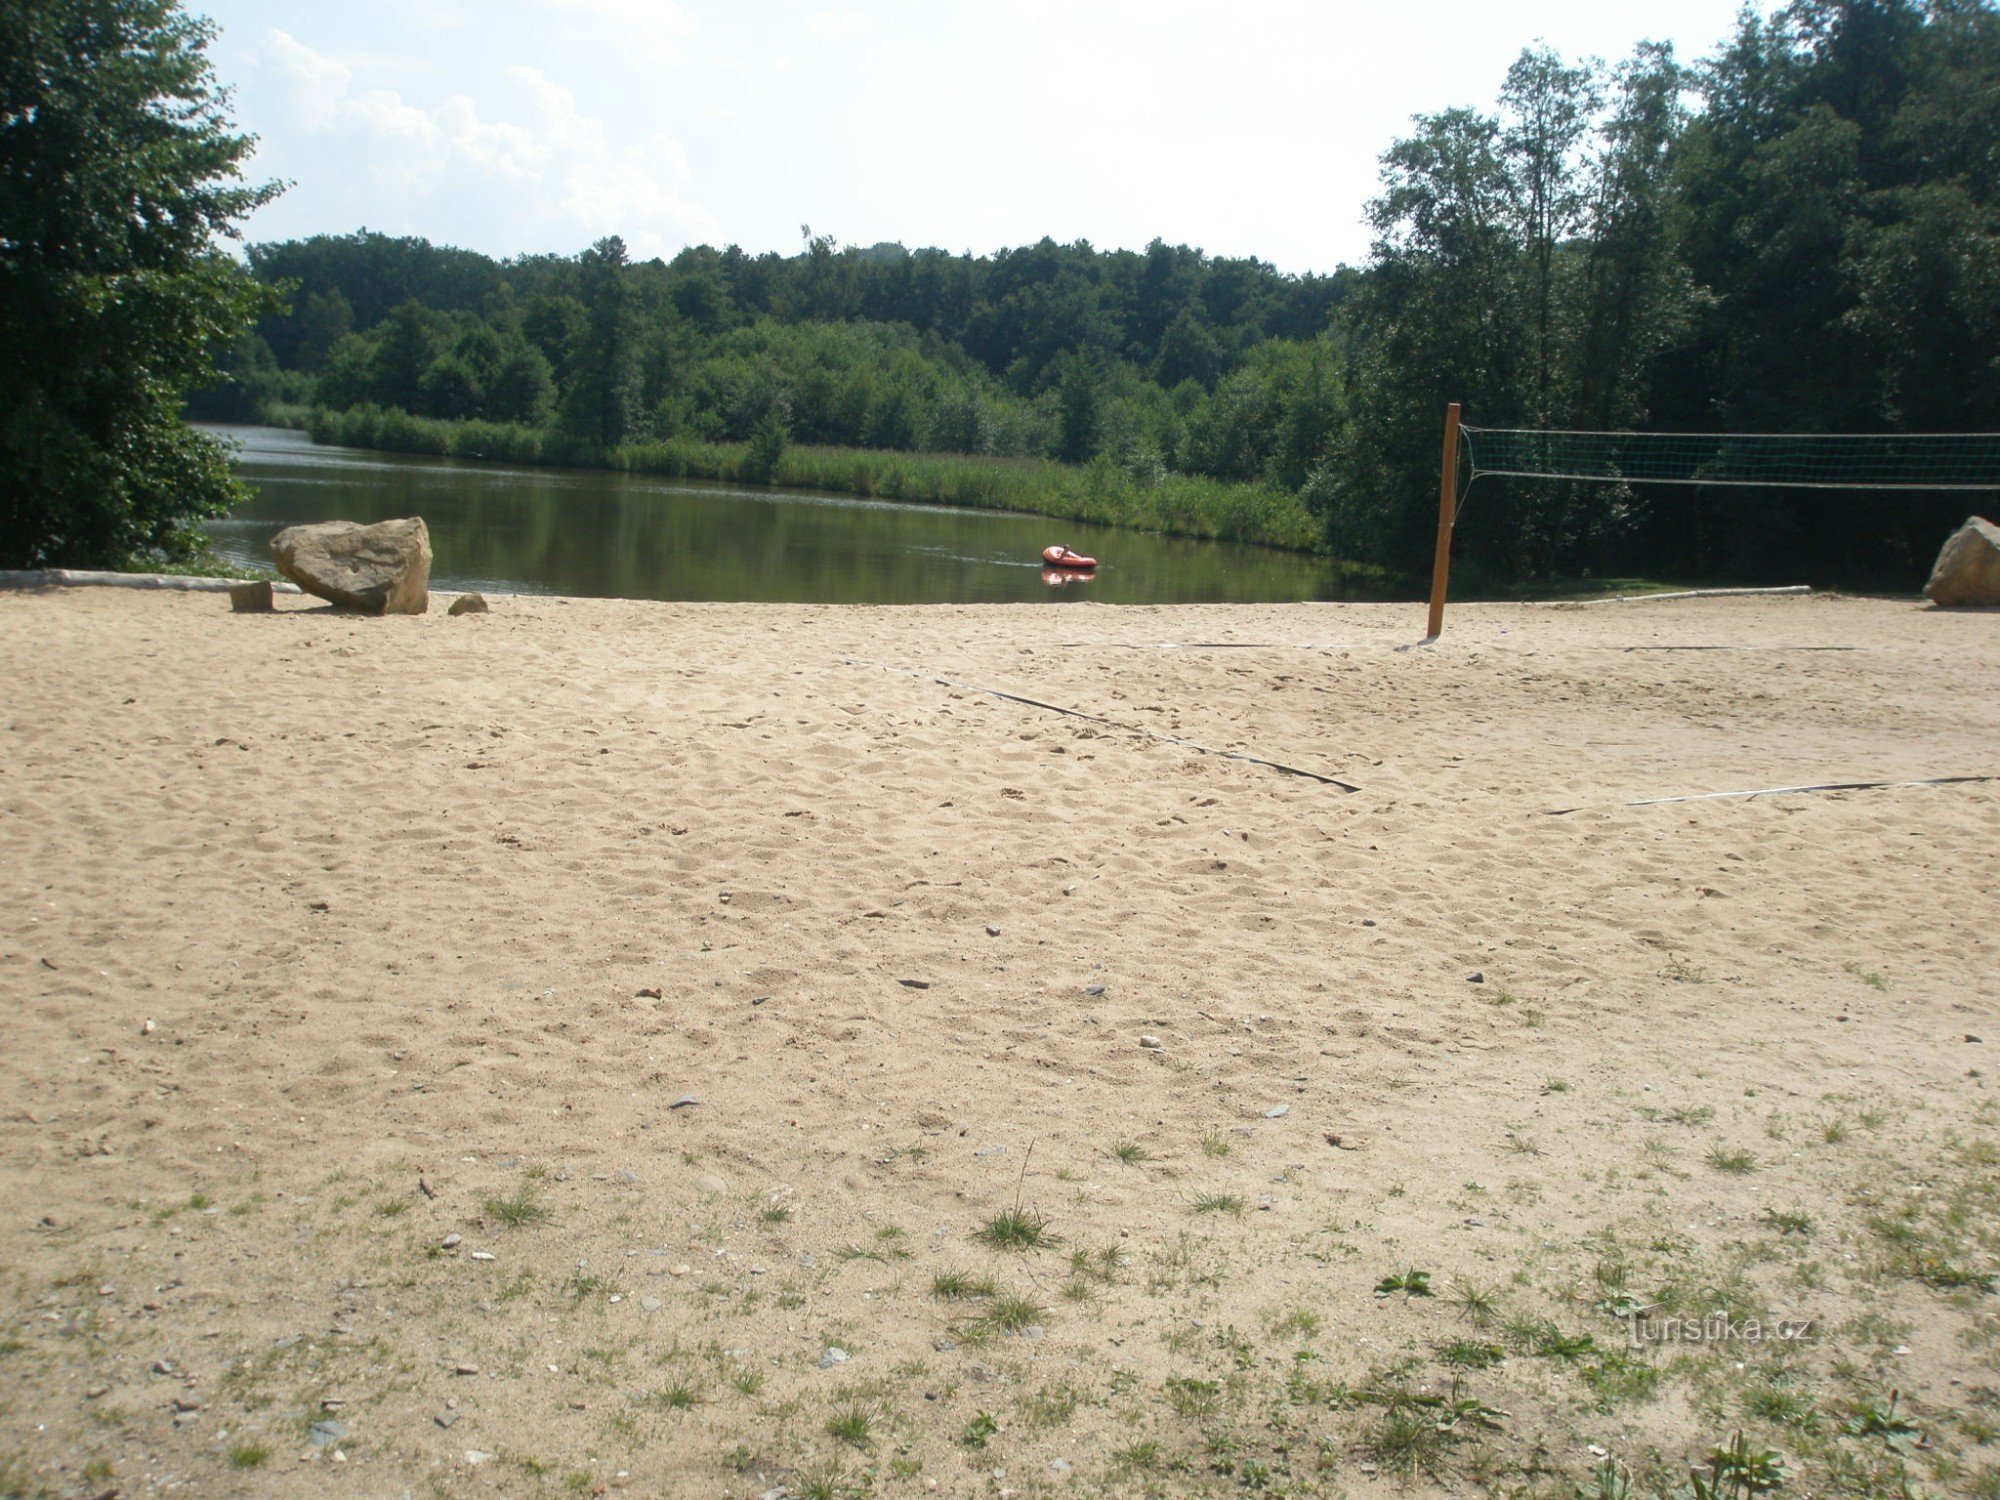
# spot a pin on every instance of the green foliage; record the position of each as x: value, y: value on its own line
x: 119, y: 172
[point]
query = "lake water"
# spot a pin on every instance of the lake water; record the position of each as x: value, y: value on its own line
x: 557, y: 531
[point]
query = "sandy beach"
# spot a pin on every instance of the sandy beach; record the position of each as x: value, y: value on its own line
x: 579, y: 1048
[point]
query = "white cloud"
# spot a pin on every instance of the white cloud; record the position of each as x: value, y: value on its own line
x: 836, y: 25
x: 530, y: 158
x: 658, y: 27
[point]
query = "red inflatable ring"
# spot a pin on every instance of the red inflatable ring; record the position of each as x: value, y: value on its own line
x: 1062, y: 557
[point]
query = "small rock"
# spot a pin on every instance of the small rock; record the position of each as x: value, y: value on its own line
x: 186, y: 1403
x: 95, y: 1391
x: 468, y: 604
x: 992, y: 930
x: 834, y: 1355
x: 1477, y: 976
x: 146, y: 1027
x: 914, y: 984
x: 686, y: 1101
x: 162, y: 1367
x: 452, y: 1241
x: 252, y: 598
x: 1093, y: 989
x: 484, y: 1255
x: 474, y: 1457
x: 1342, y: 1142
x: 1277, y: 1112
x: 649, y: 994
x: 1058, y: 1466
x: 679, y: 1270
x: 462, y: 1368
x: 1971, y: 1038
x: 651, y: 1304
x: 325, y: 1434
x: 1152, y: 1043
x: 944, y: 1346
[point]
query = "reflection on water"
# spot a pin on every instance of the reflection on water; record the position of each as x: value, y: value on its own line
x: 501, y: 528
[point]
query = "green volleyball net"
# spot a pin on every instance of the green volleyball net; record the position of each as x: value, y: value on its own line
x: 1934, y: 461
x: 1887, y: 461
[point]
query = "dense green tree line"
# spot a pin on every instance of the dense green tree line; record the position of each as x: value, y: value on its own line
x: 1799, y: 234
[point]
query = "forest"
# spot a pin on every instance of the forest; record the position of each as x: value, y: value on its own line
x: 1797, y: 234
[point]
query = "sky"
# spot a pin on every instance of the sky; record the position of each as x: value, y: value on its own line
x: 534, y: 126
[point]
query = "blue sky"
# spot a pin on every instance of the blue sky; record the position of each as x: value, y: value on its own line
x: 517, y: 126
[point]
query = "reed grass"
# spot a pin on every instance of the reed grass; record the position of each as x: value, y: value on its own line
x: 1100, y: 492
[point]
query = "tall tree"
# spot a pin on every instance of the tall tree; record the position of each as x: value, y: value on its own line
x: 603, y: 398
x: 119, y: 173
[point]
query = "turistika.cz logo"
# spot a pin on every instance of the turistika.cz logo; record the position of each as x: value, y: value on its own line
x: 1720, y: 1328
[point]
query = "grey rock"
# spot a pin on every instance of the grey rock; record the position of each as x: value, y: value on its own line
x: 1152, y: 1043
x: 686, y: 1101
x: 446, y: 1419
x: 468, y: 604
x: 1967, y: 571
x: 1277, y: 1112
x: 326, y: 1434
x: 833, y: 1356
x: 252, y: 598
x: 384, y: 569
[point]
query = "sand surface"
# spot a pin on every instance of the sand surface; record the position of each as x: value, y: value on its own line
x: 757, y: 957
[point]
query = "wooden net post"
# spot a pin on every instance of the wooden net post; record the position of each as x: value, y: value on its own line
x: 1447, y: 514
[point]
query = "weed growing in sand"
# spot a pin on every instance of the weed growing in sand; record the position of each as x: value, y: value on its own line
x: 1833, y: 1130
x: 1137, y: 1458
x: 980, y: 1431
x: 1219, y: 1203
x: 518, y: 1209
x: 1735, y: 1163
x: 678, y: 1395
x: 1470, y: 1354
x: 1297, y: 1322
x: 1872, y: 980
x: 1051, y: 1406
x: 747, y: 1382
x: 830, y: 1484
x: 1010, y: 1313
x: 1411, y: 1283
x: 1788, y: 1223
x: 249, y: 1456
x: 774, y: 1215
x: 1738, y: 1471
x: 853, y: 1424
x: 1016, y: 1228
x: 1477, y: 1305
x: 960, y: 1286
x: 1214, y: 1142
x: 1522, y: 1145
x: 1197, y: 1400
x: 1128, y: 1152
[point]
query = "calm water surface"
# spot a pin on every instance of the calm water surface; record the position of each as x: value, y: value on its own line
x: 556, y: 531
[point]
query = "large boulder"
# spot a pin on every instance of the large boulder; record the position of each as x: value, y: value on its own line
x: 384, y: 569
x: 1968, y: 566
